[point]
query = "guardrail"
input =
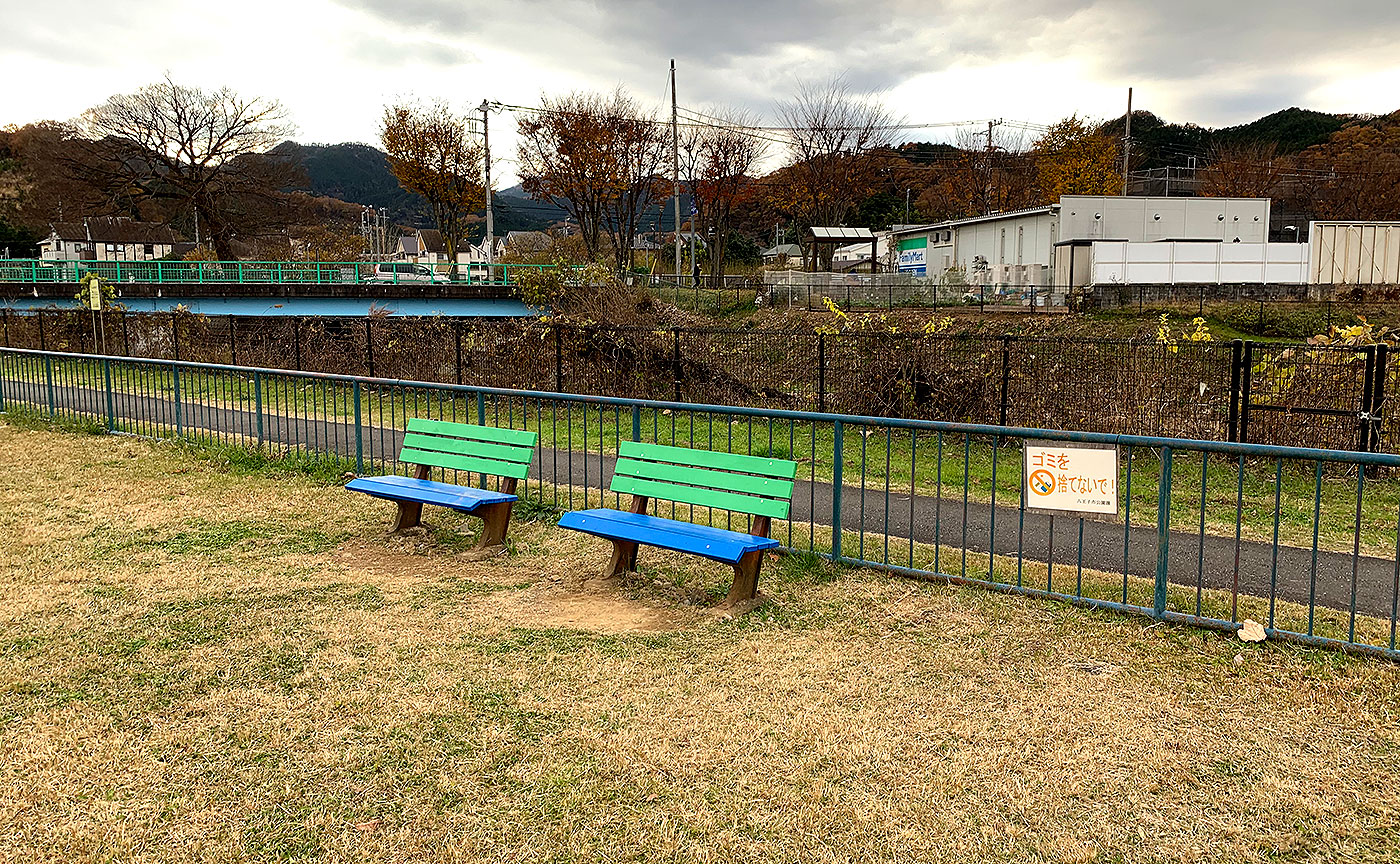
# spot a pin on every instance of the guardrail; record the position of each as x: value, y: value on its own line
x: 260, y: 272
x: 1202, y: 533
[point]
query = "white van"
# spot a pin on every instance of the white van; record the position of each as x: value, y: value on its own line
x: 402, y: 273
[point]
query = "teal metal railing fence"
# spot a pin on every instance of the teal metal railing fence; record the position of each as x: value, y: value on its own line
x: 1207, y: 534
x: 259, y: 272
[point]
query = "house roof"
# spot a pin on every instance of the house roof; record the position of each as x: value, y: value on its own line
x: 528, y: 241
x: 788, y: 249
x: 430, y: 241
x: 408, y: 245
x: 114, y: 229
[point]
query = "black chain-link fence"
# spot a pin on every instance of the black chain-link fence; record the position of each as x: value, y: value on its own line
x: 1287, y: 394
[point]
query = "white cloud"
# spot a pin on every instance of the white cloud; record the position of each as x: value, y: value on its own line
x: 335, y: 63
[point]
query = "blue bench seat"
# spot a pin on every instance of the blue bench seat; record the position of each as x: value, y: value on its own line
x: 717, y: 544
x: 393, y: 487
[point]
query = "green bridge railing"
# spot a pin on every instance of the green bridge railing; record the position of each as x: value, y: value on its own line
x: 265, y: 272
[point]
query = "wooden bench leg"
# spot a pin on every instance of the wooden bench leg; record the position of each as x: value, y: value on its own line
x: 624, y: 555
x: 624, y: 558
x: 495, y: 520
x: 410, y: 516
x: 745, y: 585
x: 410, y: 513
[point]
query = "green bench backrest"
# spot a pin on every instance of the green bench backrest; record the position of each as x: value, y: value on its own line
x: 468, y: 447
x: 755, y: 485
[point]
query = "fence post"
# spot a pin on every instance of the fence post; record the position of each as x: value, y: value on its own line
x: 838, y: 430
x: 359, y: 448
x: 821, y: 372
x: 1364, y: 427
x: 1164, y: 511
x: 457, y: 334
x: 48, y: 376
x: 369, y: 347
x: 179, y: 408
x: 636, y: 422
x: 111, y: 407
x: 558, y: 360
x: 676, y: 360
x: 1246, y: 387
x: 257, y: 404
x: 1378, y: 396
x: 1005, y: 376
x: 1232, y: 423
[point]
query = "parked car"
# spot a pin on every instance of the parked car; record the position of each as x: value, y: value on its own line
x: 407, y: 273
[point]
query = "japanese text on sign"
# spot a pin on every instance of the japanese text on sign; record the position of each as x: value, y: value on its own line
x: 1076, y: 479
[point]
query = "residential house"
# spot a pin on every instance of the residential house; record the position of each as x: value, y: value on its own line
x: 522, y: 244
x: 108, y: 238
x: 423, y: 246
x: 784, y: 253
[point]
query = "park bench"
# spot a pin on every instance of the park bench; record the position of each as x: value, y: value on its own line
x: 753, y: 485
x: 482, y: 450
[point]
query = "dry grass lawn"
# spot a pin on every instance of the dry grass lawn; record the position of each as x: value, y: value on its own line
x: 198, y: 665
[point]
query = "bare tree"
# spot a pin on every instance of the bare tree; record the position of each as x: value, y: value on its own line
x: 432, y: 154
x: 1251, y: 169
x: 834, y: 133
x: 188, y: 150
x: 718, y: 158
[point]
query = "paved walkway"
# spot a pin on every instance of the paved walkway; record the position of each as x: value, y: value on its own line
x: 928, y: 519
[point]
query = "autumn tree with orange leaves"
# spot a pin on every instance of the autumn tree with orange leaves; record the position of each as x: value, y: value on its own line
x: 600, y: 159
x: 717, y: 159
x: 432, y: 153
x: 1072, y: 158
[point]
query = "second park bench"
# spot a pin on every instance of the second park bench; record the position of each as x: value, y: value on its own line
x: 758, y: 486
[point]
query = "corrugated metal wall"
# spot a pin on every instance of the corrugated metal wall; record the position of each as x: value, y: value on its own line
x: 1355, y: 253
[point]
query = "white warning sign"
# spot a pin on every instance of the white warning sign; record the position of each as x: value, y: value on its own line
x: 1074, y: 478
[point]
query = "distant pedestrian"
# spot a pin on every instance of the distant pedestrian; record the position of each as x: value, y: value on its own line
x: 695, y: 273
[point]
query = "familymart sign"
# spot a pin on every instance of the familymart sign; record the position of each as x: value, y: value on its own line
x: 913, y: 255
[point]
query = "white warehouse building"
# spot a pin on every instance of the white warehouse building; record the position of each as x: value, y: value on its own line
x: 1057, y: 244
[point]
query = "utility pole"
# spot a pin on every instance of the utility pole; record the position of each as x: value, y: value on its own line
x: 906, y: 206
x: 987, y: 209
x: 486, y: 148
x: 676, y: 169
x: 1127, y: 139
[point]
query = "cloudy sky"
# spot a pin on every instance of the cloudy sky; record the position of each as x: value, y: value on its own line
x: 335, y: 63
